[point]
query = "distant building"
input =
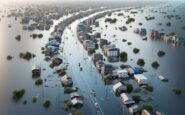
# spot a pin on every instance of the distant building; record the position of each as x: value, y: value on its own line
x: 141, y: 79
x: 127, y: 99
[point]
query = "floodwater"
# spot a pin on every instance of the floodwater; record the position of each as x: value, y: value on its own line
x: 16, y: 73
x: 171, y: 65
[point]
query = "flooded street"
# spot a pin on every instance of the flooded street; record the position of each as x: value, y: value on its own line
x: 16, y: 73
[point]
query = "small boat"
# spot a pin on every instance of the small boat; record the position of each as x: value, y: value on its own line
x: 162, y: 78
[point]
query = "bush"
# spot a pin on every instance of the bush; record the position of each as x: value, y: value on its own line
x: 161, y: 53
x: 140, y: 62
x: 136, y: 97
x: 122, y: 66
x: 129, y: 43
x: 129, y: 20
x: 136, y: 50
x: 46, y: 103
x: 9, y: 57
x: 155, y: 64
x: 123, y: 56
x: 38, y: 81
x: 24, y: 102
x: 17, y: 94
x: 40, y: 35
x: 18, y: 37
x: 149, y: 88
x: 171, y: 34
x: 68, y: 90
x: 61, y: 72
x: 147, y: 107
x: 34, y: 36
x: 76, y: 112
x: 129, y: 88
x: 34, y: 99
x: 67, y: 105
x: 176, y: 90
x: 168, y: 24
x: 26, y: 55
x: 111, y: 20
x: 124, y: 40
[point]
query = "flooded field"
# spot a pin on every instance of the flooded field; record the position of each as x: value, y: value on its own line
x: 16, y: 73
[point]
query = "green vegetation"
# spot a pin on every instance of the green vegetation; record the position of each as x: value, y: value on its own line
x: 120, y: 14
x: 168, y: 24
x: 135, y: 97
x: 34, y: 99
x: 171, y: 34
x: 140, y: 62
x: 38, y: 81
x: 161, y: 53
x: 129, y: 20
x: 123, y: 56
x: 155, y: 64
x: 136, y: 50
x: 17, y: 94
x: 147, y: 107
x: 42, y: 48
x: 33, y: 36
x: 149, y: 88
x: 61, y: 72
x: 26, y: 55
x: 149, y: 18
x: 24, y: 102
x: 9, y: 57
x: 124, y: 40
x: 68, y: 90
x: 129, y: 88
x: 76, y: 112
x: 129, y: 43
x: 40, y: 35
x: 18, y: 37
x: 176, y: 90
x: 67, y: 105
x: 183, y: 27
x: 111, y: 20
x: 123, y: 66
x: 159, y: 23
x: 140, y: 23
x: 46, y: 103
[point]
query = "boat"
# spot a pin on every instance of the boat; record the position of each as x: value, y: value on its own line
x: 162, y: 78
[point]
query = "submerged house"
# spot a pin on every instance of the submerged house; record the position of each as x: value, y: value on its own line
x: 106, y: 69
x: 126, y: 99
x: 134, y: 110
x: 123, y: 74
x: 89, y: 45
x: 97, y: 57
x: 113, y: 54
x: 141, y: 79
x: 142, y: 32
x: 36, y: 70
x: 66, y: 81
x: 119, y: 88
x: 99, y: 64
x: 105, y: 48
x: 104, y: 42
x: 77, y: 103
x: 123, y: 28
x: 74, y: 95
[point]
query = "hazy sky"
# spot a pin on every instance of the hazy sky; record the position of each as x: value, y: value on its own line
x: 13, y: 1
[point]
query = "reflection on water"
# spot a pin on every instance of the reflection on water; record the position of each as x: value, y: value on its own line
x: 16, y: 73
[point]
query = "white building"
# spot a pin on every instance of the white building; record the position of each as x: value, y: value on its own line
x: 119, y: 88
x: 140, y: 79
x: 123, y: 74
x: 127, y: 99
